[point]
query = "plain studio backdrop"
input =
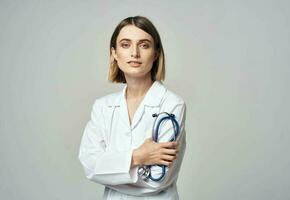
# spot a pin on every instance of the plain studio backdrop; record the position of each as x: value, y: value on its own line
x: 229, y: 60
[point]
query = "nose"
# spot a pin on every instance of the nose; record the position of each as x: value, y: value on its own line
x: 135, y: 51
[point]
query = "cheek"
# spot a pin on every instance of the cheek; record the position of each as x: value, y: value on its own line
x: 122, y: 54
x: 150, y: 57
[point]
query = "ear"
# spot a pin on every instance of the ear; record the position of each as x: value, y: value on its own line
x: 113, y: 51
x: 156, y: 56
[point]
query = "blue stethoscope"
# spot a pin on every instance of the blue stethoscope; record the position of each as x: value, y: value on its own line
x: 145, y: 171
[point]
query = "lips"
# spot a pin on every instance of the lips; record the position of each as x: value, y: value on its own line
x: 135, y: 63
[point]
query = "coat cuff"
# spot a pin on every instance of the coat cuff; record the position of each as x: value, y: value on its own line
x: 117, y: 164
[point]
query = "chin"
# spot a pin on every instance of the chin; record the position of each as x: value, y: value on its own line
x: 136, y: 73
x: 134, y: 70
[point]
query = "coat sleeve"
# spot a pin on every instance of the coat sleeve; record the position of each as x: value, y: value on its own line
x: 102, y: 166
x: 165, y: 134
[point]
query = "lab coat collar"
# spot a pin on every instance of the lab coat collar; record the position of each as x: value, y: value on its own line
x: 153, y: 96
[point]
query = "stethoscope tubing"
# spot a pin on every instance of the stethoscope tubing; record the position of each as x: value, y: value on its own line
x: 155, y: 137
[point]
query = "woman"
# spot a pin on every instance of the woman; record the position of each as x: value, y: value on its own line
x: 117, y: 139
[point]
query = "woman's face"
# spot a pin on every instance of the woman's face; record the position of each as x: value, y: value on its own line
x: 134, y: 51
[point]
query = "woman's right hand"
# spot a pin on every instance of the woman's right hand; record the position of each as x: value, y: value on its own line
x: 152, y: 153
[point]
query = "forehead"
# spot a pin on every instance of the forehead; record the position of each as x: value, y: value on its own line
x: 133, y: 33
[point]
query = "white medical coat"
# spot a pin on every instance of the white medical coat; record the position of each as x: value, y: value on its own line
x: 109, y: 139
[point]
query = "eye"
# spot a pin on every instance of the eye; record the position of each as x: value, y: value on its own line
x: 124, y: 45
x: 145, y: 45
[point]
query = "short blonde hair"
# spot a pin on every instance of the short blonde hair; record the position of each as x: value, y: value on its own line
x: 158, y: 69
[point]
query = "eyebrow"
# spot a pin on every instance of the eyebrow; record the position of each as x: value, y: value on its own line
x: 126, y: 39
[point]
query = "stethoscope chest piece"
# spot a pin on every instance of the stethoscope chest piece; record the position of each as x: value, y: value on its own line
x: 144, y: 172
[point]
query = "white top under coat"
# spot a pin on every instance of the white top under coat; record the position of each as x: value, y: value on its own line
x: 108, y: 142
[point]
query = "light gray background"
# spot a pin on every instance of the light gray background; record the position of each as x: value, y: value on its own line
x: 229, y: 60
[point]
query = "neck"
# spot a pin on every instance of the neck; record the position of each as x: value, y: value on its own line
x: 137, y: 88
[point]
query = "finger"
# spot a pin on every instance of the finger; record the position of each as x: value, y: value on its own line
x: 163, y: 162
x: 170, y: 151
x: 168, y: 157
x: 168, y: 145
x: 177, y: 144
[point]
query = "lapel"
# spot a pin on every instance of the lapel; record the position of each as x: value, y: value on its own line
x: 152, y: 99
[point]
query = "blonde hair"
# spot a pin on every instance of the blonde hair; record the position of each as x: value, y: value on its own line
x: 158, y: 69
